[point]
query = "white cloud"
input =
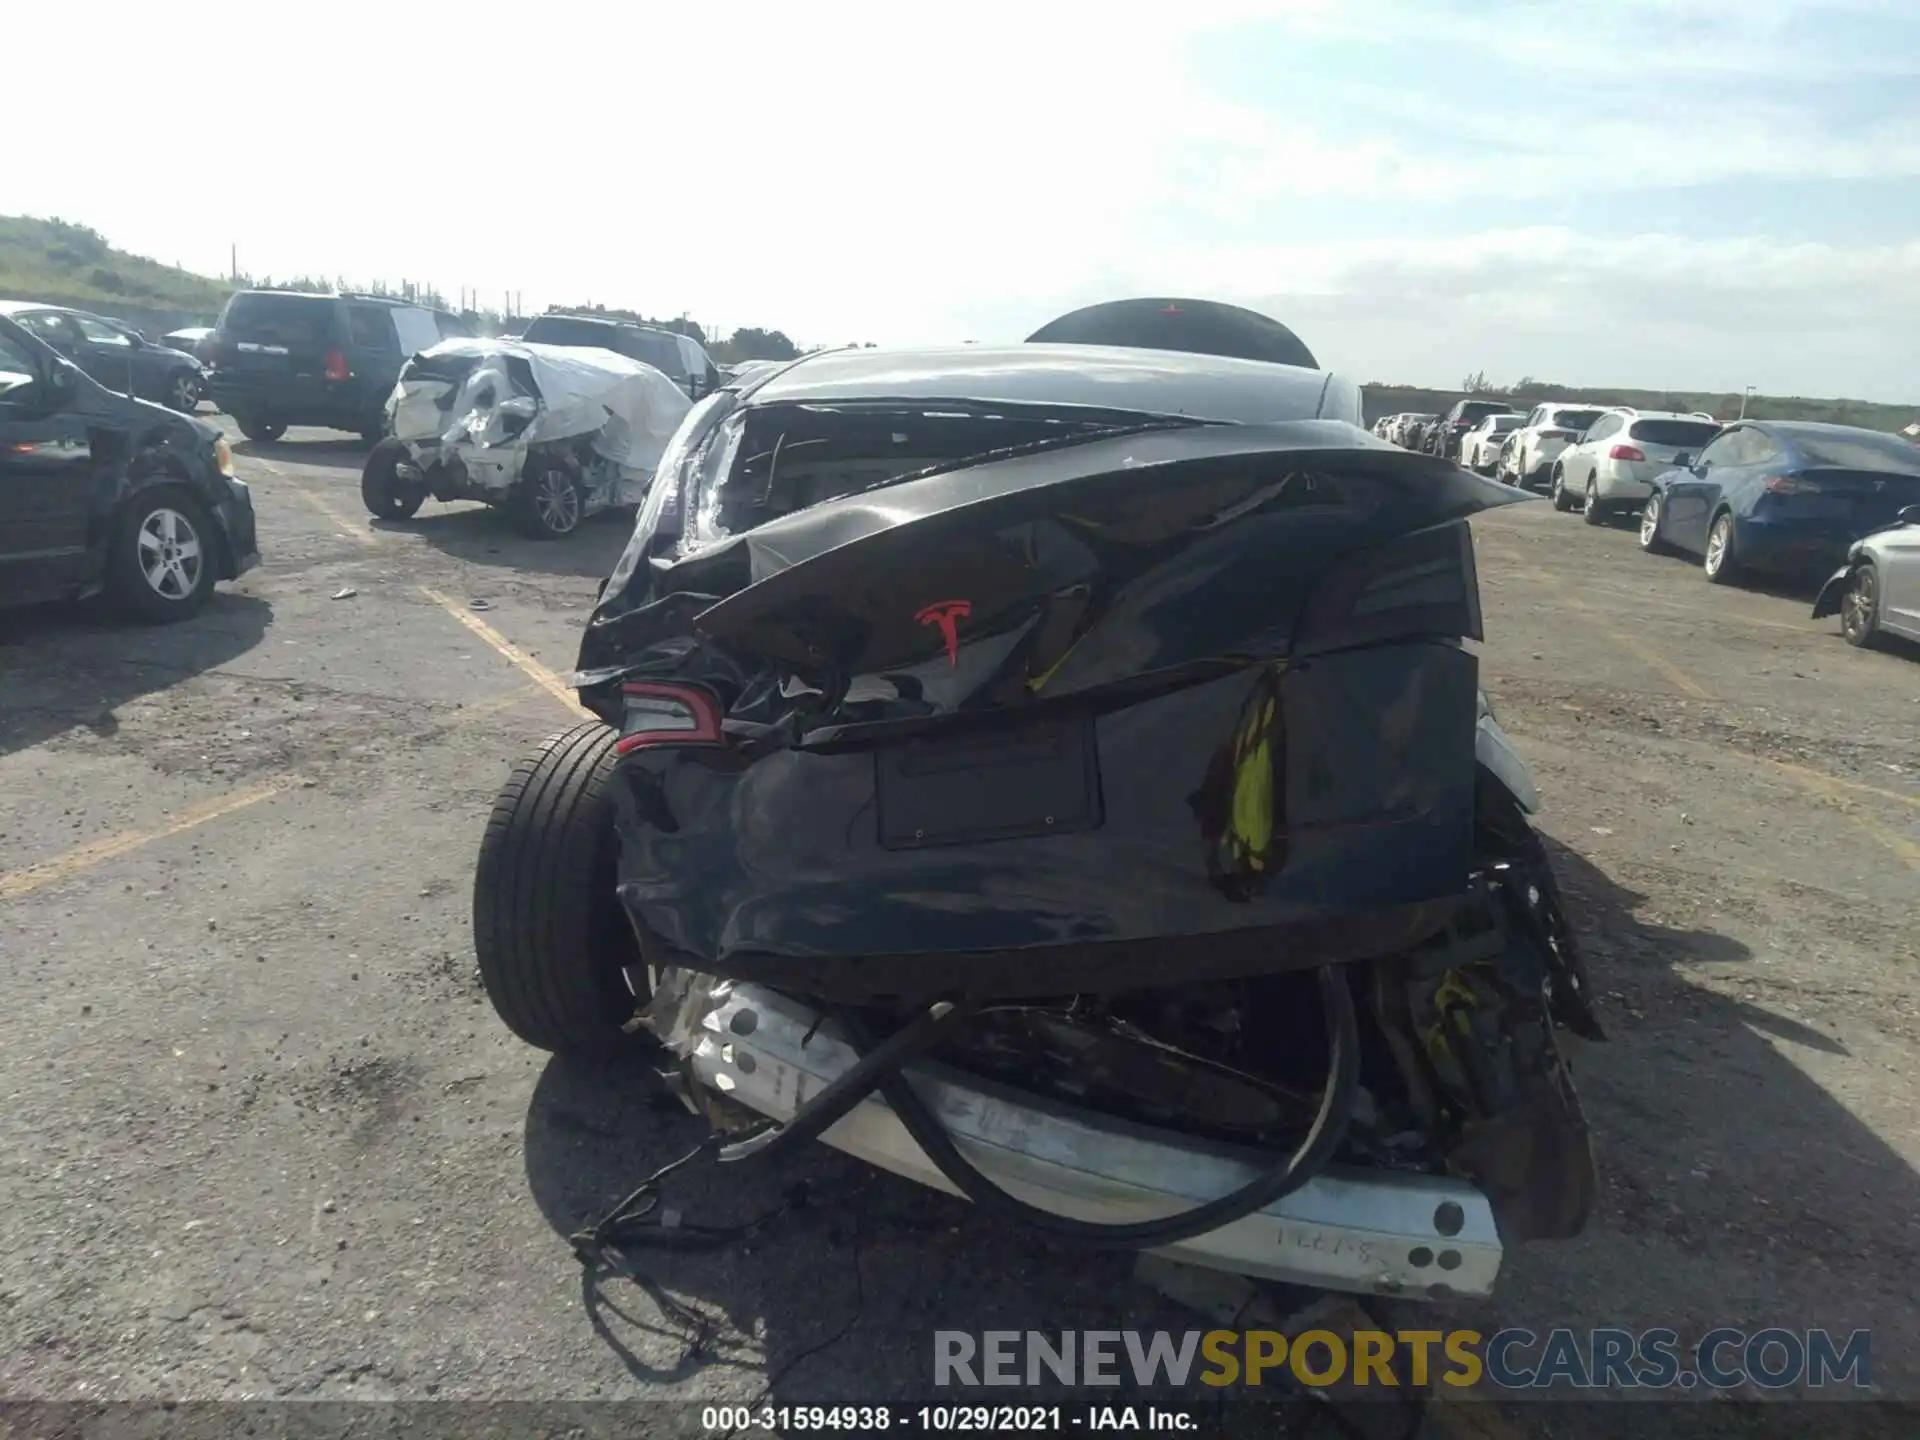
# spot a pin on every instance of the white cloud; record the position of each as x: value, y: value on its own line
x: 1654, y: 310
x: 893, y: 173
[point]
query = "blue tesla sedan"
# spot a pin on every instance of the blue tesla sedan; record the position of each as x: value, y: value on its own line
x: 1784, y: 498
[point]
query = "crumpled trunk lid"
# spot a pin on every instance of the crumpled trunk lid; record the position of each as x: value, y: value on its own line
x: 1036, y: 724
x: 1111, y: 562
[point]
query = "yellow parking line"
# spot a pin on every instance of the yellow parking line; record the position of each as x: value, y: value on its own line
x: 1830, y: 788
x: 15, y: 883
x: 360, y: 535
x: 1821, y: 780
x: 1647, y: 656
x: 340, y: 522
x: 1677, y: 677
x: 481, y: 709
x: 532, y: 668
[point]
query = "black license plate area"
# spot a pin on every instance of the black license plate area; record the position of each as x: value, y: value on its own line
x: 1039, y: 778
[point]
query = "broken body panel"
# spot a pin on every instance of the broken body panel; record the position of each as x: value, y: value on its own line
x: 471, y: 412
x: 1091, y: 683
x: 985, y: 725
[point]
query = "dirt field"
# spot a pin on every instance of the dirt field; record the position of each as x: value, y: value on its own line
x: 263, y: 1137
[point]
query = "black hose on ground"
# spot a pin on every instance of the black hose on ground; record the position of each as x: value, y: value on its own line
x: 1323, y: 1138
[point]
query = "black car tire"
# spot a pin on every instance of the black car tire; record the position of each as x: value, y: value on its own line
x: 539, y: 504
x: 183, y: 392
x: 1724, y: 570
x: 1595, y: 512
x: 554, y: 947
x: 382, y: 491
x: 1562, y: 501
x: 1860, y: 607
x: 140, y: 579
x: 262, y: 432
x: 1650, y: 539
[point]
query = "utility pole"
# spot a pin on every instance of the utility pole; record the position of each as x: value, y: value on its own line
x: 234, y: 264
x: 1743, y: 401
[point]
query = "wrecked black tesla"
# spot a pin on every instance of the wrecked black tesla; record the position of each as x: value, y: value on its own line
x: 1056, y: 773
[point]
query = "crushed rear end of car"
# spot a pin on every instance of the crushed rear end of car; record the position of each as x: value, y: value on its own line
x: 1084, y: 804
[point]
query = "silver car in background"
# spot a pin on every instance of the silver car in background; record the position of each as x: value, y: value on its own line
x: 1877, y: 592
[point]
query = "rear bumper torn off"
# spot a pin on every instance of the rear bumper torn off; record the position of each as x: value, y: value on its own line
x: 1371, y: 1232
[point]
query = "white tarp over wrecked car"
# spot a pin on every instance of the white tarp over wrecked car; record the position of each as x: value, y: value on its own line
x: 487, y: 403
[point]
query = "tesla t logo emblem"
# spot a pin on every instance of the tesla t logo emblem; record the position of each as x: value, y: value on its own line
x: 947, y: 614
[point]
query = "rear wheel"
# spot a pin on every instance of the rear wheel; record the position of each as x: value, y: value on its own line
x: 384, y: 493
x: 1720, y: 564
x: 1595, y: 513
x: 1860, y: 607
x: 550, y: 504
x: 263, y: 432
x: 1650, y: 539
x: 1562, y: 501
x: 161, y: 563
x: 183, y: 392
x: 556, y: 955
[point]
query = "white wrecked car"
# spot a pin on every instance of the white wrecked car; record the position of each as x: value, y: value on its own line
x: 550, y: 433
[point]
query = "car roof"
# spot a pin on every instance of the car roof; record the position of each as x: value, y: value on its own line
x: 1818, y: 430
x: 22, y: 307
x: 1205, y: 327
x: 612, y: 321
x: 1799, y: 434
x: 1663, y: 414
x: 1167, y: 382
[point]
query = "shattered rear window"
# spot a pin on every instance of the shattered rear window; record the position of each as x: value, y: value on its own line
x: 778, y: 459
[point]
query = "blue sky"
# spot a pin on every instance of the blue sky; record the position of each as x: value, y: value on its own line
x: 1709, y: 194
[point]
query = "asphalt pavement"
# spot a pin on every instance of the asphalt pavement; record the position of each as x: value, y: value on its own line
x: 264, y: 1138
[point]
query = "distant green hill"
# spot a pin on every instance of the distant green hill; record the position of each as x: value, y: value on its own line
x: 1393, y: 399
x: 65, y: 264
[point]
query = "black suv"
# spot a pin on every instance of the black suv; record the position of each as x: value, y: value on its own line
x: 681, y: 358
x: 103, y: 491
x: 1442, y: 437
x: 280, y: 358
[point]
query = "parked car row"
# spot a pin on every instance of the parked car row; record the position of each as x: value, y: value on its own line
x: 114, y: 353
x: 1757, y: 498
x: 103, y: 491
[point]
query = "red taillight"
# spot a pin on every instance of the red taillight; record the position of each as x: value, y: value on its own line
x: 1625, y: 452
x: 666, y: 715
x: 336, y: 366
x: 1787, y: 485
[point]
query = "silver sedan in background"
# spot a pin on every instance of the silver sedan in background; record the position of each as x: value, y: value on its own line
x: 1877, y: 592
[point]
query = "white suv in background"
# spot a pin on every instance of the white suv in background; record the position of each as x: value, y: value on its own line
x: 1548, y: 430
x: 1612, y: 466
x: 1480, y: 446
